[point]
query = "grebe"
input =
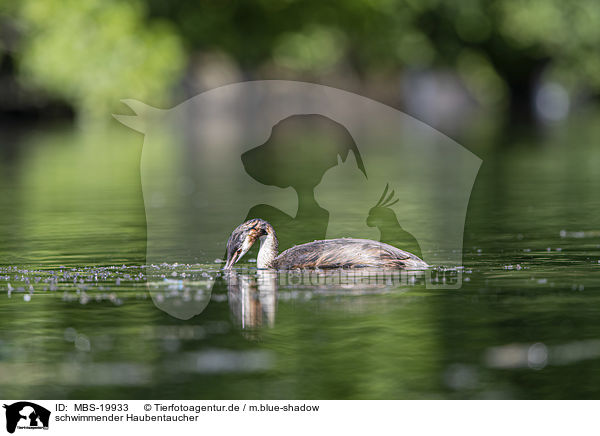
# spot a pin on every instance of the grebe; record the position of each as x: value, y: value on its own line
x: 330, y: 253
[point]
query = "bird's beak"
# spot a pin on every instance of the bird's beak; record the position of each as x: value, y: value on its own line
x: 238, y: 254
x: 231, y: 261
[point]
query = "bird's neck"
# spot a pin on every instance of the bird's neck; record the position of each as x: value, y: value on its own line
x: 390, y: 227
x: 269, y: 248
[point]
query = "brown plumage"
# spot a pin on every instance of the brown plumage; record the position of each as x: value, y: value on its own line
x: 346, y: 253
x: 326, y: 254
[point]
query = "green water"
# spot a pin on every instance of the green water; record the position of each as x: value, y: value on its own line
x: 79, y: 320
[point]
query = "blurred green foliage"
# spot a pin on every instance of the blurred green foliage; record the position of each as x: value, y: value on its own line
x: 567, y: 33
x: 93, y: 52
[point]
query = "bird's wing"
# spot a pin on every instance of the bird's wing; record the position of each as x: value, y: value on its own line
x: 343, y: 253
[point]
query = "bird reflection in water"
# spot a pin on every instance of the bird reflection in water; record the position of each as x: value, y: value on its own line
x: 252, y: 298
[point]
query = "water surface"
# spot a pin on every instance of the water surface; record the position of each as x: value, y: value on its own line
x: 80, y: 316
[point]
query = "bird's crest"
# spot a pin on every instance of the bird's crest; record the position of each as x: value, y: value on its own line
x: 387, y: 201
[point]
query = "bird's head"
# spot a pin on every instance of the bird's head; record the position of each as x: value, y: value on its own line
x: 242, y: 239
x: 381, y: 213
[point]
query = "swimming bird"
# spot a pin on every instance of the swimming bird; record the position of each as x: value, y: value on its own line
x: 325, y: 254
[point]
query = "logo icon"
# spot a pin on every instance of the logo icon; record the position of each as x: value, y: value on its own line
x: 26, y: 415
